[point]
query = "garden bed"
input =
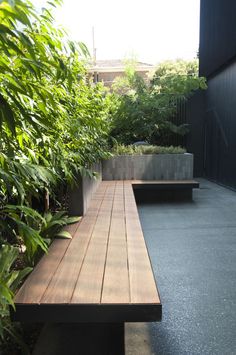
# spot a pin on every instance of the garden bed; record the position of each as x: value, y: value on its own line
x: 149, y: 167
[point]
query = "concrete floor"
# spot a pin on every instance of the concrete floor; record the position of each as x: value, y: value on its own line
x: 193, y: 251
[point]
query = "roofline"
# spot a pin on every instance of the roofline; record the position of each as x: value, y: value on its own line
x: 118, y: 69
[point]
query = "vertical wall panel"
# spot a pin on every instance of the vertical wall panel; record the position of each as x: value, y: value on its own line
x: 220, y: 124
x: 217, y: 34
x: 195, y: 112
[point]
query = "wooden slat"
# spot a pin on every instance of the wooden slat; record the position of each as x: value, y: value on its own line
x: 89, y: 285
x: 37, y: 282
x: 116, y: 279
x: 62, y: 285
x: 142, y: 284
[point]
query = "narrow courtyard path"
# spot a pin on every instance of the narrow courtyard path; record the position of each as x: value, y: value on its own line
x: 193, y: 252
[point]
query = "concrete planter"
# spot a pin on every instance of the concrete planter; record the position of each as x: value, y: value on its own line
x: 80, y: 196
x: 149, y: 167
x: 130, y: 167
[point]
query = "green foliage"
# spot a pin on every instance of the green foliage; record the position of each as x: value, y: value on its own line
x: 52, y: 120
x: 177, y: 77
x: 53, y: 223
x: 145, y: 112
x: 121, y: 149
x: 33, y: 229
x: 9, y: 282
x: 53, y: 125
x: 131, y: 82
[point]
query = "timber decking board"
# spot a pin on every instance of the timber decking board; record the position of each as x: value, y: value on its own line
x: 89, y: 285
x: 37, y: 282
x: 142, y: 284
x: 116, y: 279
x: 105, y: 264
x: 62, y: 285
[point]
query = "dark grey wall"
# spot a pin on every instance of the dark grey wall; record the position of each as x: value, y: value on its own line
x: 195, y: 111
x: 81, y: 195
x: 220, y: 126
x: 217, y: 34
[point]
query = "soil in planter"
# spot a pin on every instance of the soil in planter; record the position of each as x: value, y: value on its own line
x: 28, y: 334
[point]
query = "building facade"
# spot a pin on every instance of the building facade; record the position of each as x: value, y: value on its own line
x: 107, y: 71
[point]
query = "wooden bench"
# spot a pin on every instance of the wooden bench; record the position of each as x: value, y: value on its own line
x: 164, y: 190
x: 103, y: 274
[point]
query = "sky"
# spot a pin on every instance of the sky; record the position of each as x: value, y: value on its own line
x: 149, y: 31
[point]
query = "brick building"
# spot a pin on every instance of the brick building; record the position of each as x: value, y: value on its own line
x: 107, y: 70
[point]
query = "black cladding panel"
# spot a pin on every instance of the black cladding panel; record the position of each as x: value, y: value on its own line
x: 220, y: 127
x: 217, y: 35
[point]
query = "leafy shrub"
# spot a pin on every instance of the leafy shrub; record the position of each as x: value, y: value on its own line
x: 34, y: 230
x: 9, y: 282
x: 53, y: 125
x: 145, y: 112
x: 146, y: 149
x: 53, y: 120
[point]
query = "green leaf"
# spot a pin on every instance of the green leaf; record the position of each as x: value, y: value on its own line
x: 21, y: 275
x: 4, y: 29
x: 8, y: 255
x: 71, y: 220
x: 7, y: 294
x: 84, y: 49
x: 7, y: 114
x: 64, y: 235
x: 29, y: 212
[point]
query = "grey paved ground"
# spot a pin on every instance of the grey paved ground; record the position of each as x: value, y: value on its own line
x: 193, y: 251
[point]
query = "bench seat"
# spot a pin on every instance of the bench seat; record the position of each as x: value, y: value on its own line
x: 162, y: 184
x: 164, y: 190
x: 103, y: 274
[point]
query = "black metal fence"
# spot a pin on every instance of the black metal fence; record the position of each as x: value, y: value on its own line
x: 178, y: 117
x: 191, y: 113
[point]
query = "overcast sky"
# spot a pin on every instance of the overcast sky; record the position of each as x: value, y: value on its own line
x: 150, y: 30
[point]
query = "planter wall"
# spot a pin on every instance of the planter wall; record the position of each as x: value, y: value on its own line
x: 149, y: 167
x: 80, y: 196
x: 130, y: 167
